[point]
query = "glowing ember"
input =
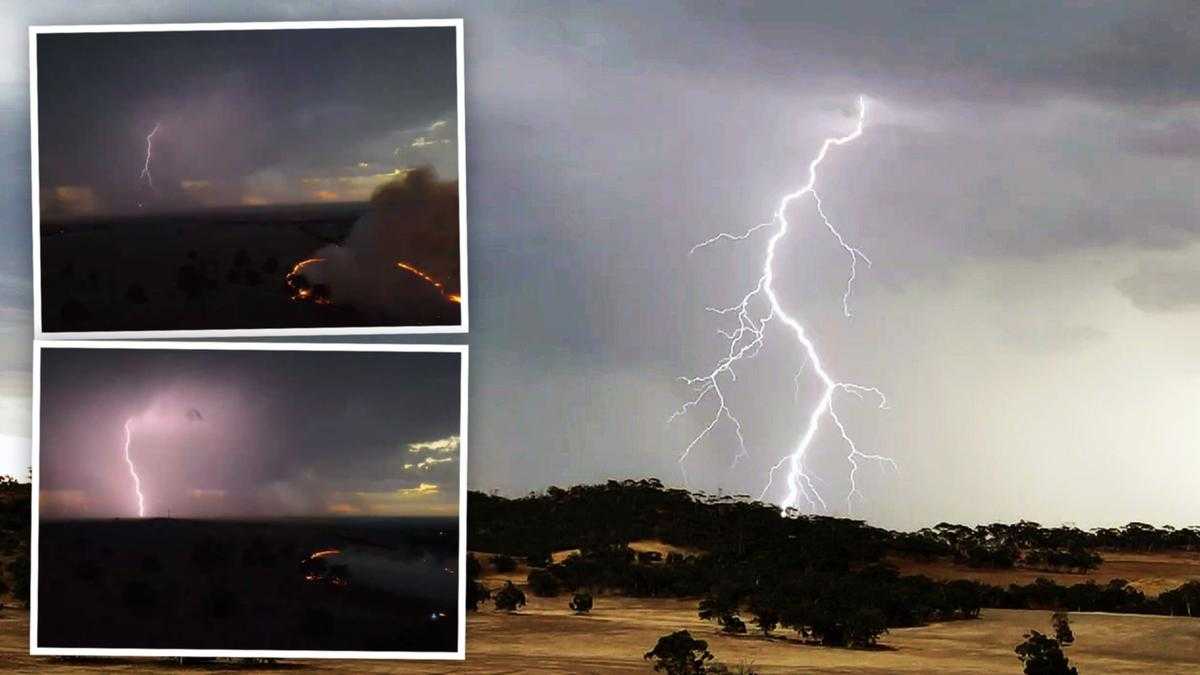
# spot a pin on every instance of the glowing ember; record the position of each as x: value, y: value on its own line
x: 302, y: 290
x: 324, y: 553
x: 302, y: 264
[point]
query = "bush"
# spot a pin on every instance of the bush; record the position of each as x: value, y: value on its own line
x: 544, y: 584
x: 510, y: 598
x: 581, y: 603
x: 679, y: 654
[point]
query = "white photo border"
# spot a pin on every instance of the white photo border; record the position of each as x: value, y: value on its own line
x: 461, y: 645
x: 464, y: 293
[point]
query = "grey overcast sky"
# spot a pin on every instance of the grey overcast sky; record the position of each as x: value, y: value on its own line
x: 1026, y: 187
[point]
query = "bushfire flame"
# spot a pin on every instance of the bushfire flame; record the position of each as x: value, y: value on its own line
x: 300, y: 292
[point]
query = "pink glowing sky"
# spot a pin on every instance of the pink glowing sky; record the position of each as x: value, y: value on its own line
x: 249, y: 434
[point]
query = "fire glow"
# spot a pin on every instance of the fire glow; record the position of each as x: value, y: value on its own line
x: 301, y: 290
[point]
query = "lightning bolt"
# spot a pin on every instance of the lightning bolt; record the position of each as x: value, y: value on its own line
x: 137, y: 482
x: 746, y: 340
x: 146, y: 175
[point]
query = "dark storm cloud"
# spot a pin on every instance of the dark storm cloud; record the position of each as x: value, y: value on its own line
x: 233, y: 107
x: 280, y: 433
x: 1149, y: 54
x: 608, y: 138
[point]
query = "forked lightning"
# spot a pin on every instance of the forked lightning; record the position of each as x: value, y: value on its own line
x: 137, y: 482
x: 747, y: 338
x: 146, y: 175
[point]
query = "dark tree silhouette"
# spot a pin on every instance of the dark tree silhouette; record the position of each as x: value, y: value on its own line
x: 581, y: 602
x: 1182, y: 601
x: 476, y: 593
x: 544, y: 584
x: 679, y: 654
x: 766, y: 614
x: 734, y: 625
x: 504, y: 563
x: 1062, y: 629
x: 510, y: 598
x: 1042, y: 655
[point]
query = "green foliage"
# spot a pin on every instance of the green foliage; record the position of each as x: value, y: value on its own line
x: 679, y: 654
x: 1042, y: 655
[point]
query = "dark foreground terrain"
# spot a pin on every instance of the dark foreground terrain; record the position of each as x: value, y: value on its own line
x: 365, y: 584
x: 211, y: 269
x: 658, y: 560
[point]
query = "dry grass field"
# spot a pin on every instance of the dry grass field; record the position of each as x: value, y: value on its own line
x: 546, y: 637
x: 1151, y: 573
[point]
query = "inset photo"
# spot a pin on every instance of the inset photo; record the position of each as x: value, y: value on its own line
x: 248, y: 179
x: 249, y: 500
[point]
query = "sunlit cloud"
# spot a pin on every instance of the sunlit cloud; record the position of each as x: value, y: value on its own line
x: 443, y: 445
x: 70, y: 200
x: 419, y: 491
x: 427, y: 463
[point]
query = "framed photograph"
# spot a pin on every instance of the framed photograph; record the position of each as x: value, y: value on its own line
x: 249, y: 500
x: 240, y: 179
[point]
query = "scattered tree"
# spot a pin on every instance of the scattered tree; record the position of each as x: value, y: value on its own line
x: 1042, y: 655
x: 581, y: 602
x: 504, y: 564
x: 734, y: 625
x: 766, y: 614
x: 679, y: 654
x: 510, y: 598
x: 476, y: 593
x: 1062, y: 629
x: 544, y: 584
